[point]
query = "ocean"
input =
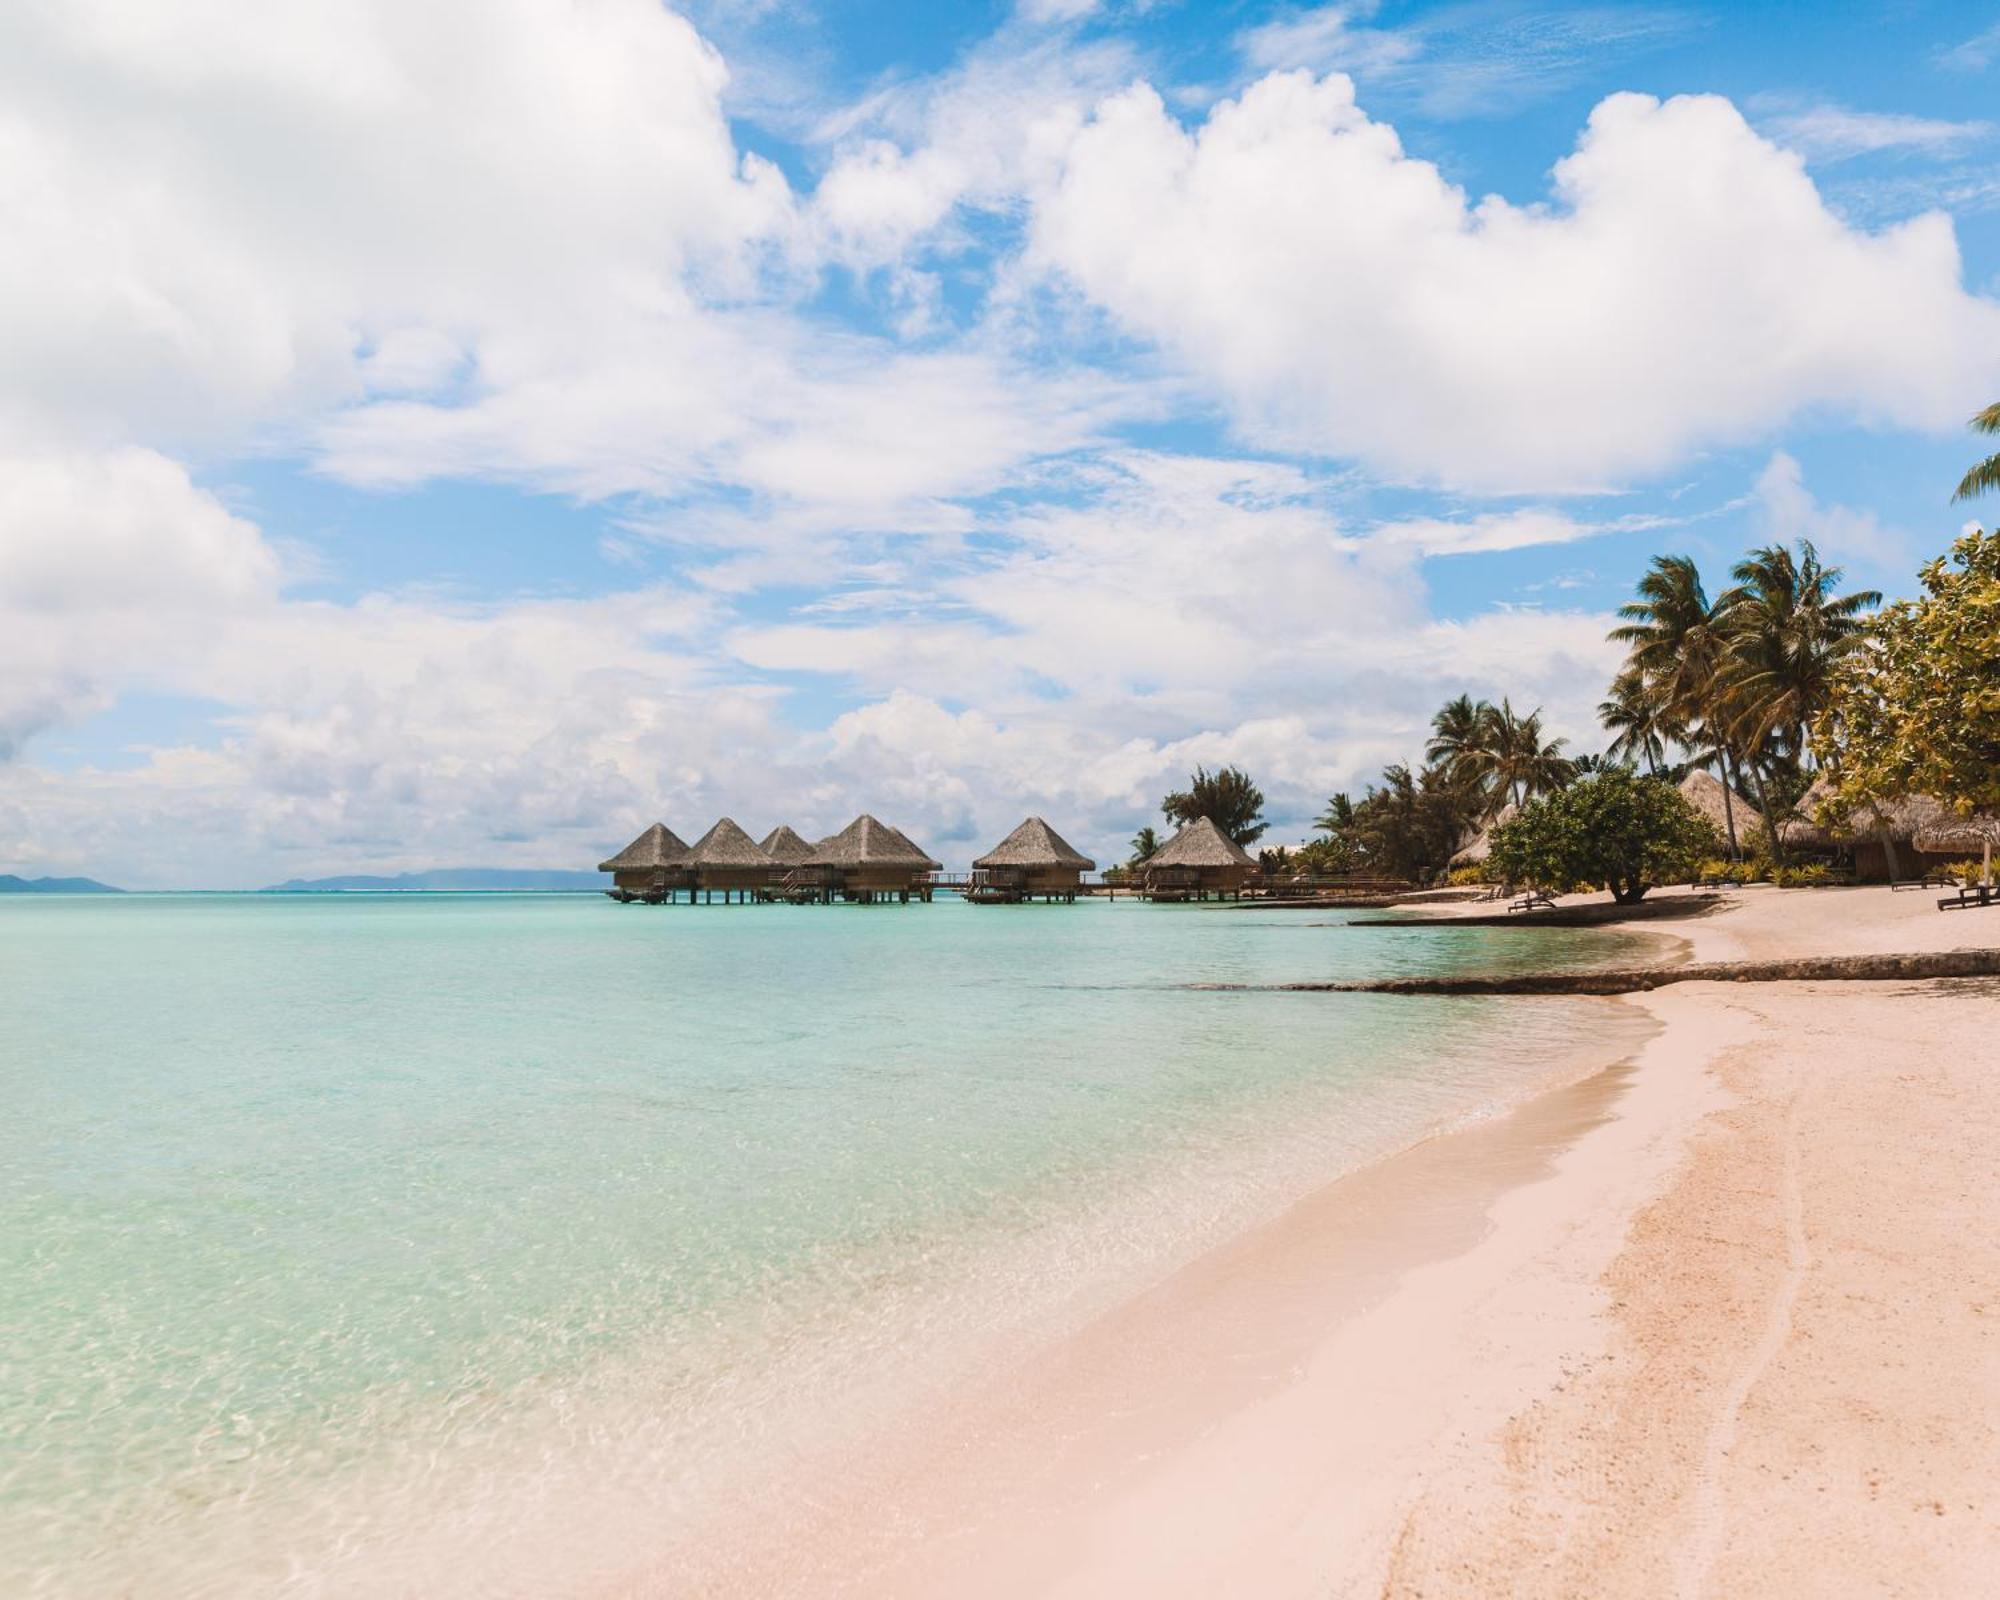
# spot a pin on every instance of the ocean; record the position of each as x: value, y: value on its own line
x: 440, y: 1244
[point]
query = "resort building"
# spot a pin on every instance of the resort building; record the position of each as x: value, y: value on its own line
x: 1476, y: 849
x: 784, y: 847
x: 1877, y: 839
x: 1034, y: 860
x: 1198, y: 863
x: 651, y: 864
x: 866, y: 861
x: 728, y: 859
x: 1717, y: 805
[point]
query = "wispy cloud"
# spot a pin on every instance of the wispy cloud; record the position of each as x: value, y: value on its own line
x: 1975, y: 54
x: 1474, y: 60
x: 1826, y: 132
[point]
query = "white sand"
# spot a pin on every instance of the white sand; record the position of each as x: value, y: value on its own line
x: 1725, y: 1321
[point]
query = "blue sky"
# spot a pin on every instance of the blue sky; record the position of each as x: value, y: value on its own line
x: 465, y: 437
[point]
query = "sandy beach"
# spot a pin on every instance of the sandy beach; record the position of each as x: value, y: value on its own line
x: 1720, y: 1321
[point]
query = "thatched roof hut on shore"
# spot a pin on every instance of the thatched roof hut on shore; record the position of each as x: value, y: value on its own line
x: 1872, y: 833
x: 652, y: 861
x: 1717, y: 805
x: 868, y: 860
x: 1199, y: 861
x: 1477, y: 848
x: 784, y: 846
x: 1032, y: 860
x: 728, y: 859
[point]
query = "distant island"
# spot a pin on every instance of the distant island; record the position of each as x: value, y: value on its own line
x: 443, y: 878
x: 10, y: 884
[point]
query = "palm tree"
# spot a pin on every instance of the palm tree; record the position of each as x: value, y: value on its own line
x: 1789, y: 633
x: 1461, y: 741
x: 1987, y: 474
x: 1676, y: 641
x: 1637, y: 722
x: 1337, y: 817
x: 1144, y: 843
x: 1524, y: 763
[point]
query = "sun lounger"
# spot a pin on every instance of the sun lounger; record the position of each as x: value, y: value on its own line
x: 1536, y: 901
x: 1973, y: 894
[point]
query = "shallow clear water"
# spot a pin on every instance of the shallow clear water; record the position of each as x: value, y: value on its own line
x: 346, y: 1240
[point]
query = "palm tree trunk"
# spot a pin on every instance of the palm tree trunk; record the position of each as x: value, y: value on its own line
x: 1729, y: 806
x: 1764, y: 805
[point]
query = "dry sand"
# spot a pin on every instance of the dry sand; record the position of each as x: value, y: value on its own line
x: 1725, y: 1321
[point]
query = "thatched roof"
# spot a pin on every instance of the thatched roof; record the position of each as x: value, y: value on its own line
x: 1704, y: 791
x: 1905, y: 816
x: 784, y: 846
x: 1035, y: 844
x: 726, y: 845
x: 1480, y: 845
x: 656, y: 847
x: 864, y: 842
x: 1200, y: 844
x: 1980, y: 831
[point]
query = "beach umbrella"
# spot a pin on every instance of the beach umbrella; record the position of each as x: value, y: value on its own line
x: 1962, y: 833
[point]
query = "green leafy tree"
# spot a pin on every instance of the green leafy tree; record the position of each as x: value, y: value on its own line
x: 1226, y: 797
x: 1918, y: 711
x: 1621, y: 830
x: 1144, y: 843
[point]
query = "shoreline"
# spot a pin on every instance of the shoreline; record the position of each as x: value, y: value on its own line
x: 1404, y: 1384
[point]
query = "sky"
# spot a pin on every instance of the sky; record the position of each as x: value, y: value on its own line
x: 463, y: 434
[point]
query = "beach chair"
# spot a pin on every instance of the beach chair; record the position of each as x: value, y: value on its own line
x: 1969, y: 896
x: 1533, y: 900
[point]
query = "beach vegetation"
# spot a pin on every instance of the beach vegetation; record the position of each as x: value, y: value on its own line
x: 1986, y: 475
x: 1144, y: 843
x: 1626, y: 832
x: 1740, y: 681
x: 1918, y: 710
x: 1226, y: 797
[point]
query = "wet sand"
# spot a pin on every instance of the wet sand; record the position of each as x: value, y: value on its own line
x: 1724, y: 1320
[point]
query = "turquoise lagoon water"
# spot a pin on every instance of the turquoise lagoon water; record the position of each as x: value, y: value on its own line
x: 471, y: 1244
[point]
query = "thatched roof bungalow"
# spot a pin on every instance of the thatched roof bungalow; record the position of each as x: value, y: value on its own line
x: 869, y: 860
x: 784, y: 846
x: 654, y: 860
x: 1199, y: 861
x: 1872, y: 834
x: 1032, y: 860
x: 1479, y: 846
x: 728, y: 859
x: 1717, y: 805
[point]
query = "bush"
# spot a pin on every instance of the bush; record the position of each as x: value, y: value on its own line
x: 1473, y: 872
x: 1614, y: 828
x: 1968, y: 871
x: 1816, y: 876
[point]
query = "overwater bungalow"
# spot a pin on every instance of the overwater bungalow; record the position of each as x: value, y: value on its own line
x: 1034, y: 860
x: 1200, y: 862
x: 867, y: 861
x: 648, y: 868
x: 728, y: 859
x: 784, y: 846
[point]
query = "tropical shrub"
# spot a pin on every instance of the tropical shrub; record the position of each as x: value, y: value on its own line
x: 1615, y: 828
x: 1473, y: 872
x: 1815, y: 876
